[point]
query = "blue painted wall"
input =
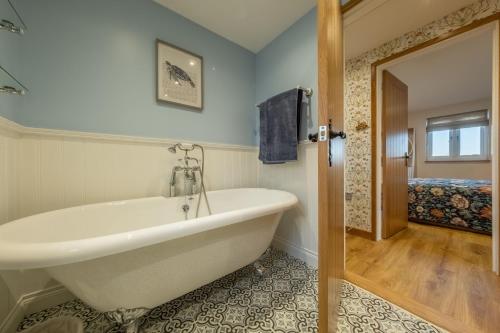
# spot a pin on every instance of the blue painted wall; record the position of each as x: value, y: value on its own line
x: 9, y: 53
x: 288, y: 61
x: 90, y: 66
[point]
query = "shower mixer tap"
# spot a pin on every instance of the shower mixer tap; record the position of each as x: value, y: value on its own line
x: 189, y: 176
x: 190, y: 173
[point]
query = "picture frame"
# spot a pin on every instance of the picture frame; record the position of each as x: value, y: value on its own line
x: 179, y: 76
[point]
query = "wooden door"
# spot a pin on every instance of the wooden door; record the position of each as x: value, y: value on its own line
x: 394, y: 155
x: 330, y: 176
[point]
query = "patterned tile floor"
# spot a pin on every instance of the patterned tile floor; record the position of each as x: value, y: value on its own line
x: 285, y: 300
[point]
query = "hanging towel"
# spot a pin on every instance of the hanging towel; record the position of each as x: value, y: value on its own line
x: 279, y: 127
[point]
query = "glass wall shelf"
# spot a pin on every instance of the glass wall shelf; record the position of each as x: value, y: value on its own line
x: 10, y: 19
x: 9, y: 84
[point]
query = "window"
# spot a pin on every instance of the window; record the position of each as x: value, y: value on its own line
x: 459, y: 137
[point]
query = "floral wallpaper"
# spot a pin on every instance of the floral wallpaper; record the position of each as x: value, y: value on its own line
x: 357, y: 98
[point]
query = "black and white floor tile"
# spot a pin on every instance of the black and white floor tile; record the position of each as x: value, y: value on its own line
x: 361, y: 311
x: 284, y: 300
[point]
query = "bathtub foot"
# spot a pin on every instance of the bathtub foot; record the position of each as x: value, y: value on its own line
x: 128, y: 318
x: 259, y: 268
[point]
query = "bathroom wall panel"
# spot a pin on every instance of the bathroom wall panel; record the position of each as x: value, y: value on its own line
x: 8, y: 175
x: 8, y: 201
x: 297, y: 232
x: 61, y: 171
x: 52, y: 167
x: 6, y: 300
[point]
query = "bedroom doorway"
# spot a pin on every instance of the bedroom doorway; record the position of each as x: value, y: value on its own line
x: 449, y: 109
x: 440, y: 271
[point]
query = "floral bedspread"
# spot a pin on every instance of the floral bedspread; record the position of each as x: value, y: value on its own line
x: 458, y: 203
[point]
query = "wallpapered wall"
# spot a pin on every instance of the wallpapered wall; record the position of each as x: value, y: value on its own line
x: 358, y: 101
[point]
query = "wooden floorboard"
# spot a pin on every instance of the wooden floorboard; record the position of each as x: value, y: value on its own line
x: 440, y: 274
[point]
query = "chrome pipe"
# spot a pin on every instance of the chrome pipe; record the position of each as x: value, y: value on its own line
x: 202, y: 169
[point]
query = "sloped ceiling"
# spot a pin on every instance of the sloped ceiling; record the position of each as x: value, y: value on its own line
x: 251, y: 24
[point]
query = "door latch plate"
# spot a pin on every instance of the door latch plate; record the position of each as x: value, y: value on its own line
x: 323, y: 133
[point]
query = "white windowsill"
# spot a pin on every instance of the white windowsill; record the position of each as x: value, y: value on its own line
x: 458, y: 160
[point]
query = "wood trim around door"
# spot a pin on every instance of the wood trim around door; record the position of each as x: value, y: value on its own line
x: 374, y: 67
x: 330, y: 177
x: 498, y: 137
x: 350, y: 5
x: 358, y: 232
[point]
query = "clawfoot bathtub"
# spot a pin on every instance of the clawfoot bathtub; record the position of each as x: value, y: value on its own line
x: 130, y: 256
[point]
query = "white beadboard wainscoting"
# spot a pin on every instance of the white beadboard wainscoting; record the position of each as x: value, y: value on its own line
x: 8, y: 200
x: 43, y: 170
x: 64, y: 171
x: 297, y: 233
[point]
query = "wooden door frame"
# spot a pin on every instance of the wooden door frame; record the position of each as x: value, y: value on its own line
x: 375, y: 77
x: 331, y: 237
x: 350, y: 5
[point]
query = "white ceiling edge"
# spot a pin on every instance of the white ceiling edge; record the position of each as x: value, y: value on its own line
x: 249, y: 24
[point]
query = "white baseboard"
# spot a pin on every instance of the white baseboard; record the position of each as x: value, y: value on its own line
x: 34, y: 302
x: 308, y: 256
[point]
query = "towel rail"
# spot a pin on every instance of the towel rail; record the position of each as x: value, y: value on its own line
x: 307, y: 91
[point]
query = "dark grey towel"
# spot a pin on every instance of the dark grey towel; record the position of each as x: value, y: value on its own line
x: 279, y: 127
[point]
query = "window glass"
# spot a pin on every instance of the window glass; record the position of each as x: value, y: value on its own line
x: 440, y: 143
x: 470, y: 141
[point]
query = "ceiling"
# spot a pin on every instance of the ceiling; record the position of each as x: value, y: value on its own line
x: 458, y: 72
x: 250, y: 24
x: 375, y: 22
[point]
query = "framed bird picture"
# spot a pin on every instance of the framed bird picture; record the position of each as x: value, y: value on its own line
x: 179, y: 76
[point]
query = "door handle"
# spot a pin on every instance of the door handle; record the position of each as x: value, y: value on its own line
x: 406, y: 157
x: 332, y: 135
x: 329, y: 135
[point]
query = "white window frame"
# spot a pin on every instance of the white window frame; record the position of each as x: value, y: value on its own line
x: 455, y: 147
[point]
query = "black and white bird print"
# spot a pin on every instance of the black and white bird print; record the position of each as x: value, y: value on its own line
x: 178, y: 74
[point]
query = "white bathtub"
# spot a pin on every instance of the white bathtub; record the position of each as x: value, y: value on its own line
x: 142, y: 253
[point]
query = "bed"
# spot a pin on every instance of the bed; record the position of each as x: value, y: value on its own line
x: 455, y: 203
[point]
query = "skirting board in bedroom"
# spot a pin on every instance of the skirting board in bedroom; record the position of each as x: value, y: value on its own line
x: 308, y: 256
x: 34, y: 302
x: 360, y: 233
